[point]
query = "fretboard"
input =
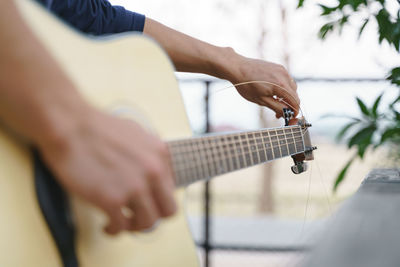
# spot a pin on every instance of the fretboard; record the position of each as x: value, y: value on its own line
x: 201, y: 158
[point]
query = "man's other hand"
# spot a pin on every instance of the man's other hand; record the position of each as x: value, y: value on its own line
x: 117, y: 166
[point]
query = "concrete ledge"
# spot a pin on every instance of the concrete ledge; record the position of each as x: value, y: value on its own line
x: 365, y: 232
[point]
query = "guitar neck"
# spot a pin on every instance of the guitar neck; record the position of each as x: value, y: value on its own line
x: 202, y: 158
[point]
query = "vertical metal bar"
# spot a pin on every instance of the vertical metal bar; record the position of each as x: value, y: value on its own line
x: 207, y: 232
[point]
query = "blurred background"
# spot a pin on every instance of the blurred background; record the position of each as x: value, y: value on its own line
x: 265, y: 215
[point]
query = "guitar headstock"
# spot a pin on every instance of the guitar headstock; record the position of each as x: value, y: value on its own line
x: 307, y: 155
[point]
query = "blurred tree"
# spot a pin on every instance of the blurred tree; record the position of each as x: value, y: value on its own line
x: 377, y: 126
x: 263, y: 10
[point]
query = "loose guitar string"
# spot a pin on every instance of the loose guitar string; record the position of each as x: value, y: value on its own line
x: 303, y: 114
x: 280, y: 99
x: 307, y: 202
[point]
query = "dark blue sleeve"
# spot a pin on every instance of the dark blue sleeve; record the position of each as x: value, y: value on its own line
x: 96, y: 17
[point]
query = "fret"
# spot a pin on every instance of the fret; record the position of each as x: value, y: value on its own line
x: 176, y: 162
x: 210, y: 158
x: 299, y: 145
x: 260, y: 147
x: 282, y: 143
x: 219, y: 160
x: 227, y: 156
x: 203, y: 158
x: 253, y: 148
x: 216, y: 156
x: 232, y: 152
x: 252, y: 161
x: 239, y: 152
x: 197, y: 160
x: 291, y: 146
x: 274, y: 144
x: 188, y: 163
x: 303, y: 146
x: 286, y: 141
x: 268, y: 146
x: 246, y: 151
x: 183, y: 167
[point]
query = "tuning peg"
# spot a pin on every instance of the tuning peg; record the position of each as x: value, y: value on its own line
x: 299, y: 167
x: 288, y: 114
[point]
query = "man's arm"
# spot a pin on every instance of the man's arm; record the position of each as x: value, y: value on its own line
x: 191, y: 55
x: 79, y: 143
x: 188, y: 54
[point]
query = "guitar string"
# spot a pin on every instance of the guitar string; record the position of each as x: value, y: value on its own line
x: 181, y: 143
x: 281, y: 142
x: 202, y: 173
x: 231, y: 145
x: 252, y: 141
x: 248, y: 146
x: 217, y: 144
x: 297, y: 128
x: 235, y: 162
x: 305, y: 131
x: 307, y: 203
x: 243, y: 154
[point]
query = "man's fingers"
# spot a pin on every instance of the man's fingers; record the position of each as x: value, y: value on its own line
x: 145, y: 213
x: 275, y: 105
x: 163, y: 195
x: 117, y: 221
x: 289, y: 98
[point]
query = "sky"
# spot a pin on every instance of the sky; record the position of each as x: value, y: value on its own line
x: 236, y: 23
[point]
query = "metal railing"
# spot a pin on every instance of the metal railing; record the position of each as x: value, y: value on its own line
x: 207, y: 244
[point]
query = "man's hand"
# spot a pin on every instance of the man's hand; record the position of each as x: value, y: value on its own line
x: 117, y: 166
x: 192, y: 55
x: 274, y: 88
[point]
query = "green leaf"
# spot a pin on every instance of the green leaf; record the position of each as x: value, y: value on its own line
x: 395, y: 101
x: 363, y: 136
x: 363, y: 27
x: 394, y: 76
x: 375, y: 106
x: 362, y: 147
x: 396, y: 33
x: 390, y: 133
x: 363, y: 107
x: 342, y: 22
x: 386, y: 27
x: 301, y: 3
x: 356, y: 3
x: 327, y: 10
x: 325, y: 29
x: 342, y: 174
x: 344, y: 130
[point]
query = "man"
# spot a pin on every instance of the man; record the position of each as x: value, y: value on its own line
x: 78, y: 142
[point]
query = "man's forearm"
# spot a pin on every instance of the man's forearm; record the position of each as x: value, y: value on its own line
x: 191, y: 55
x: 34, y: 93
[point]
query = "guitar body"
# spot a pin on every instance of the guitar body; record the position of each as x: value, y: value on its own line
x: 131, y: 76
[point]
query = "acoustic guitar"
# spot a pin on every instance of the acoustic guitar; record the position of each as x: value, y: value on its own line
x: 131, y: 76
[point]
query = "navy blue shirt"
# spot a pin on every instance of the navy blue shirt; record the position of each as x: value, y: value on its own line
x: 95, y: 17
